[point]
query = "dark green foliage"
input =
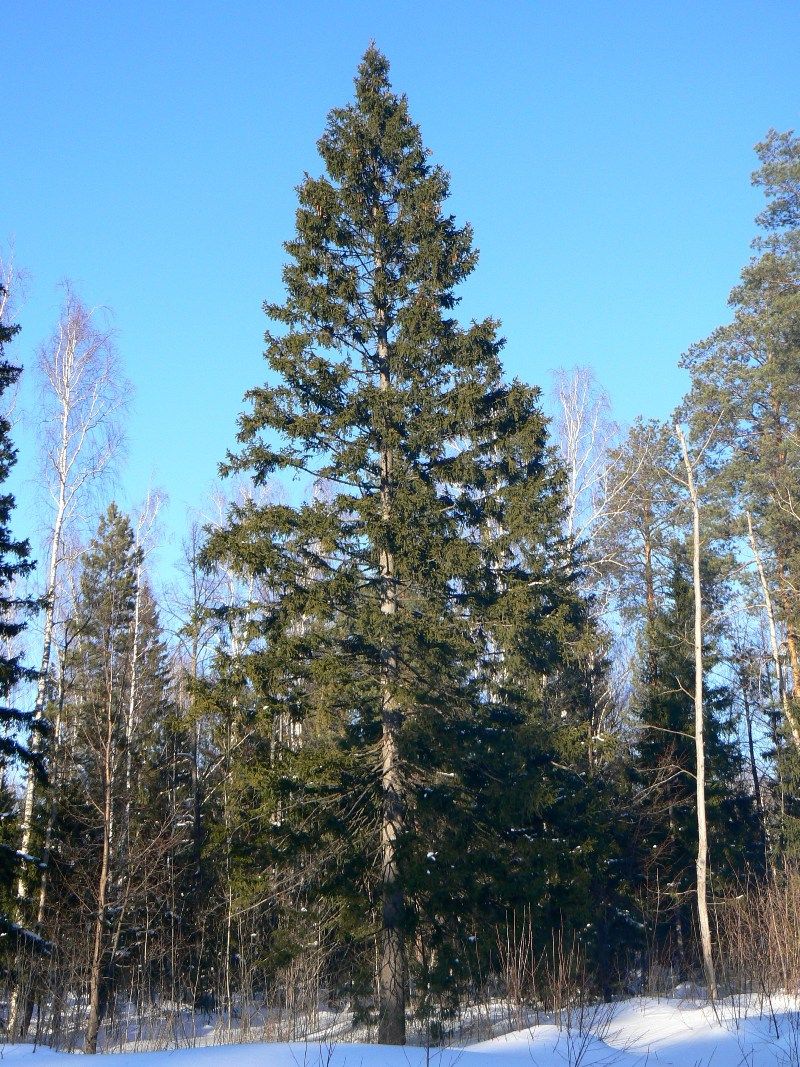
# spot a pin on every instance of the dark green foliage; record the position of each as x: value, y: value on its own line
x: 14, y: 565
x: 15, y: 724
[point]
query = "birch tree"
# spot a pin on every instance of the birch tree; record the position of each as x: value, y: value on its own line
x: 587, y: 438
x: 699, y: 719
x: 83, y: 394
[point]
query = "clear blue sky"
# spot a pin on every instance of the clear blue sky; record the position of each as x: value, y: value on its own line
x: 601, y: 150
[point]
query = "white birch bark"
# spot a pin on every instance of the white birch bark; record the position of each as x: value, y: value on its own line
x: 702, y: 830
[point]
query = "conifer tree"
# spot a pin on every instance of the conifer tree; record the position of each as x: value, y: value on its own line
x: 745, y: 387
x: 421, y: 599
x: 14, y: 565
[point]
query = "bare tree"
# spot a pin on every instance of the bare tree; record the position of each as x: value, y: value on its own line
x: 702, y: 832
x: 586, y: 435
x: 189, y: 603
x: 83, y: 396
x: 608, y: 512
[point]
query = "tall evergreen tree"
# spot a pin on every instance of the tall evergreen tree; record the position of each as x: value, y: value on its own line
x: 14, y: 565
x: 746, y: 389
x: 422, y: 601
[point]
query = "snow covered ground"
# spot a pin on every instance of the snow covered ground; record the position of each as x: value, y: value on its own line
x: 634, y: 1033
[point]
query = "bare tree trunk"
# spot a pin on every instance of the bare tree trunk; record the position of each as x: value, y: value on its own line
x: 392, y: 969
x: 58, y: 758
x: 700, y: 756
x: 228, y: 902
x: 195, y: 954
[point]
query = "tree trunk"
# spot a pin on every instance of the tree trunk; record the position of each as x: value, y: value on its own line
x: 649, y: 583
x: 79, y: 369
x: 702, y: 832
x: 130, y: 717
x: 96, y: 968
x: 392, y: 969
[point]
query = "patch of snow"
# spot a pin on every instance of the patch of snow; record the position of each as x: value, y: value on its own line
x: 642, y: 1032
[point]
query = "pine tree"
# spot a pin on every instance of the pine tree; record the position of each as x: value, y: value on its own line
x: 421, y: 599
x: 745, y: 388
x: 14, y: 566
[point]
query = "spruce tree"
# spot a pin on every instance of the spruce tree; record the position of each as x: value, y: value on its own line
x: 421, y: 598
x: 14, y: 566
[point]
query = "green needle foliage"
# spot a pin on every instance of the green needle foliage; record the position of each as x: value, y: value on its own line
x: 14, y: 565
x: 417, y: 615
x: 745, y: 393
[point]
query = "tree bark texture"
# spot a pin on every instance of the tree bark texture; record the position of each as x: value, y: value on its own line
x: 392, y: 965
x: 700, y: 756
